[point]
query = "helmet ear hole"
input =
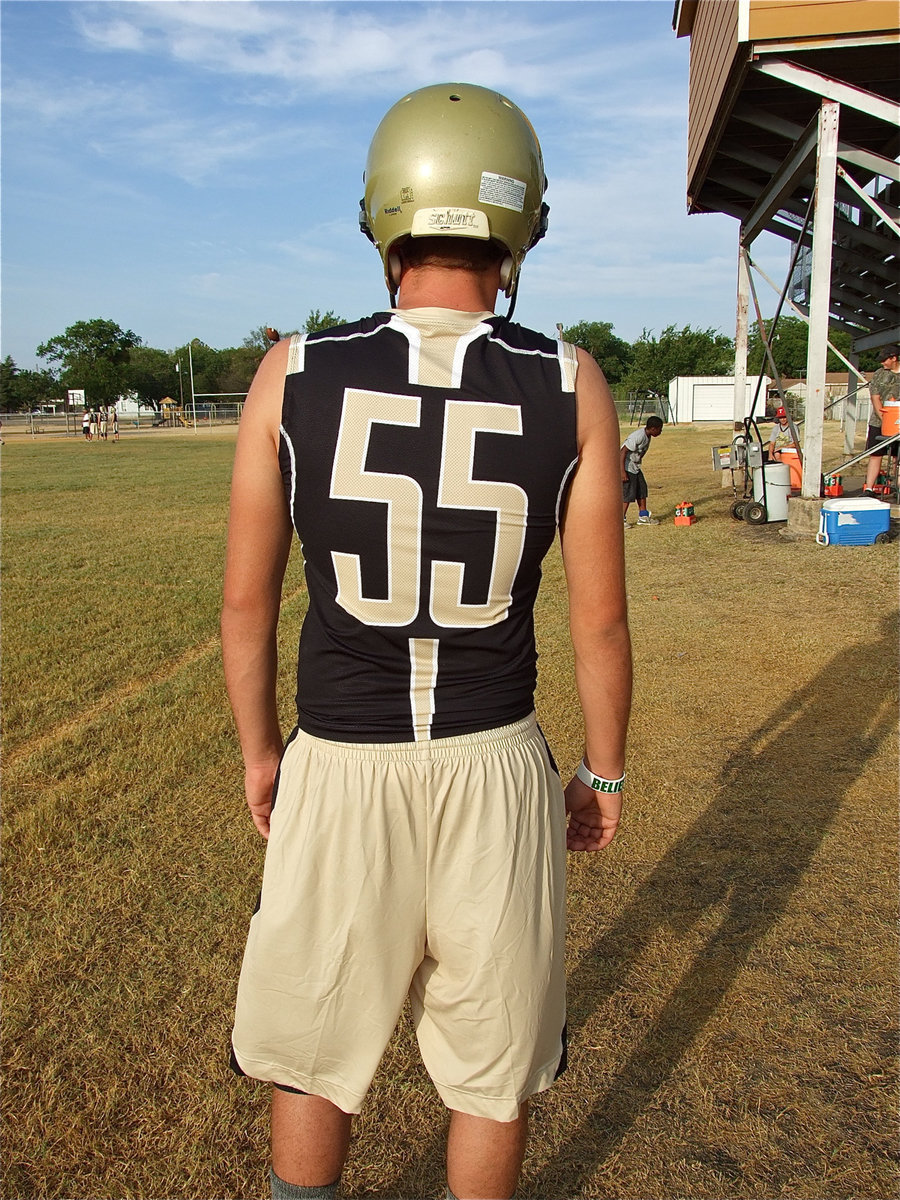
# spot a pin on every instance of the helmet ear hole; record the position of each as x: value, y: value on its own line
x: 506, y: 272
x: 395, y: 267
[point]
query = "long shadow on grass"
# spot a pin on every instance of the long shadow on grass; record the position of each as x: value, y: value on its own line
x: 742, y: 858
x: 778, y: 793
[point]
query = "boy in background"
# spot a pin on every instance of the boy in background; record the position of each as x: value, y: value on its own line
x: 781, y: 437
x: 634, y: 485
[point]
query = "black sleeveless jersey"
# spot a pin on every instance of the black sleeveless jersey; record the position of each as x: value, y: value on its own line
x: 425, y: 457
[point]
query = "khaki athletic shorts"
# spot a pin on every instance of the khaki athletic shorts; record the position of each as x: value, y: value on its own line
x: 428, y: 869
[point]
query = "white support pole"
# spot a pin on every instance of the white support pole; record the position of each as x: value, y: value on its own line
x: 851, y: 405
x: 193, y: 397
x: 740, y: 336
x: 820, y: 297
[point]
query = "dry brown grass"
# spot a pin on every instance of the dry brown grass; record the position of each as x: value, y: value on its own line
x: 732, y: 958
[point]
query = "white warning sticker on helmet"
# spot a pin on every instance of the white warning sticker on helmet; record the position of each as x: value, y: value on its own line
x: 464, y: 222
x: 502, y: 191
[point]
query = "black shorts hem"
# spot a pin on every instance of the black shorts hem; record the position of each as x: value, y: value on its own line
x: 875, y: 436
x: 241, y: 1073
x: 564, y: 1056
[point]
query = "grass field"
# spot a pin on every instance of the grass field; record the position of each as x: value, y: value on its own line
x: 732, y: 957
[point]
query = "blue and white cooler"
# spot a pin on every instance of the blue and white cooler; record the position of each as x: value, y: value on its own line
x: 858, y: 521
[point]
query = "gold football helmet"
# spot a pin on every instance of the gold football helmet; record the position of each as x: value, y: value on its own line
x: 455, y: 160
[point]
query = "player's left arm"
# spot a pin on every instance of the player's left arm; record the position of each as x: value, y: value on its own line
x: 259, y: 540
x: 593, y: 555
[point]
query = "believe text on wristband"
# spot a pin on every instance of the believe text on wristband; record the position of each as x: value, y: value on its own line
x: 597, y: 782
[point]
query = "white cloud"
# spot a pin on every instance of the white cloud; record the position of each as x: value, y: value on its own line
x: 343, y: 48
x: 194, y: 150
x: 33, y: 104
x: 265, y: 110
x: 139, y: 125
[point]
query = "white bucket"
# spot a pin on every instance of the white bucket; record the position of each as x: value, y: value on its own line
x: 778, y: 488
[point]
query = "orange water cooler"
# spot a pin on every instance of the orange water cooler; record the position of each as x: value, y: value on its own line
x: 791, y: 456
x: 890, y: 422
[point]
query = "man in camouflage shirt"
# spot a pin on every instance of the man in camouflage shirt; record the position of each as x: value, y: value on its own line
x: 885, y: 386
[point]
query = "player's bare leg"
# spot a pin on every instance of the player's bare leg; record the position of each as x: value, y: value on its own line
x: 484, y: 1157
x: 310, y: 1139
x: 872, y: 472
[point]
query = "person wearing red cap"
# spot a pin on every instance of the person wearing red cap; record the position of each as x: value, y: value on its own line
x: 781, y: 436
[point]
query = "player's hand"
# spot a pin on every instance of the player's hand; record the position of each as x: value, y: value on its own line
x: 259, y: 779
x: 593, y: 816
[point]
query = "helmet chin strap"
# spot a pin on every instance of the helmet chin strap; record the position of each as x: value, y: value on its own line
x: 394, y: 271
x: 512, y: 300
x: 507, y: 266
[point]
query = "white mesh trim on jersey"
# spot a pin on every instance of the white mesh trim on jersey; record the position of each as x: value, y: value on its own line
x: 568, y: 365
x: 296, y: 354
x: 417, y: 324
x: 423, y: 671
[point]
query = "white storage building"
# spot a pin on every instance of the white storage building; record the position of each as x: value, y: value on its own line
x: 711, y: 397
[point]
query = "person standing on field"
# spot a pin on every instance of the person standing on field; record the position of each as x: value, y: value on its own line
x: 634, y: 485
x: 416, y: 822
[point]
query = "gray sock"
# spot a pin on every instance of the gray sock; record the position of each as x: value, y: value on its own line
x: 282, y: 1190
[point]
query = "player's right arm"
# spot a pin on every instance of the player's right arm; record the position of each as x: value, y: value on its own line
x: 259, y: 540
x: 592, y: 540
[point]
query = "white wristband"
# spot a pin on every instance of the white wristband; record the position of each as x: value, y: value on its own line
x: 597, y: 782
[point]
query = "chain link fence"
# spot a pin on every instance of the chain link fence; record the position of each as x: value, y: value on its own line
x: 35, y: 424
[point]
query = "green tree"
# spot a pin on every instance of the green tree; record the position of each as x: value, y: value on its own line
x: 316, y: 321
x: 677, y: 352
x: 152, y: 376
x: 94, y: 355
x: 208, y: 367
x: 789, y: 349
x: 238, y: 366
x: 22, y: 390
x: 258, y: 338
x: 9, y: 373
x: 597, y: 337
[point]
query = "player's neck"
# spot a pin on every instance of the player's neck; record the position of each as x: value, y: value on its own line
x: 440, y: 287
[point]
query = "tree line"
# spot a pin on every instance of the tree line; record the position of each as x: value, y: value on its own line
x: 650, y: 362
x: 108, y: 362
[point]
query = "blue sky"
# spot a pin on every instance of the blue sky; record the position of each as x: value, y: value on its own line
x: 193, y: 169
